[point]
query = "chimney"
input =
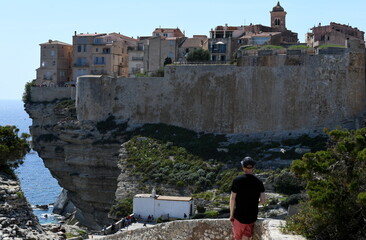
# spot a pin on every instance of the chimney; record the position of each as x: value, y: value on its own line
x: 74, y: 33
x: 49, y: 41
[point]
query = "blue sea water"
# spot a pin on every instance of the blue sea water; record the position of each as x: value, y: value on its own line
x: 38, y: 185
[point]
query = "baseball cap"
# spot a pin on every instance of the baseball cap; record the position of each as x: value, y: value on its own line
x: 248, y: 162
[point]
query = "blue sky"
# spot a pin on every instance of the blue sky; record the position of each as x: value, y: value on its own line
x: 27, y: 23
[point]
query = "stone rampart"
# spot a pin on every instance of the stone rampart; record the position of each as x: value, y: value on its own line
x: 49, y: 94
x: 263, y: 94
x: 203, y: 229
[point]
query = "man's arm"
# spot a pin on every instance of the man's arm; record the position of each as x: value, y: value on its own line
x: 262, y: 198
x: 232, y: 205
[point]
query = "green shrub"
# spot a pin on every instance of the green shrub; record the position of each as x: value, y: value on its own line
x: 287, y: 183
x: 211, y: 214
x: 336, y: 178
x: 27, y: 97
x: 121, y: 209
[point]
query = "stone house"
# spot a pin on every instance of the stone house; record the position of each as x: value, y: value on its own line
x: 333, y: 34
x: 55, y: 69
x: 190, y: 44
x: 163, y: 43
x: 98, y: 54
x: 145, y: 205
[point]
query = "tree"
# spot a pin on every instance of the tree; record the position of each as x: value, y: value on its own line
x: 12, y: 147
x: 336, y: 189
x: 198, y: 55
x: 167, y: 61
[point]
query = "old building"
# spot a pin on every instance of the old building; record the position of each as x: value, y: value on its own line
x: 332, y: 34
x: 145, y: 205
x: 225, y: 40
x: 55, y: 61
x: 164, y: 43
x: 98, y: 54
x: 191, y: 44
x: 136, y: 59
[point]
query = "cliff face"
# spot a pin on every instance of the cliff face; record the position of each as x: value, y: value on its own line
x: 79, y: 156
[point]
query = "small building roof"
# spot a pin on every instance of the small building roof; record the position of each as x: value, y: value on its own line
x: 165, y: 198
x: 52, y: 42
x: 193, y: 43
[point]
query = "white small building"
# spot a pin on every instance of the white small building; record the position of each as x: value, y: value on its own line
x: 167, y: 206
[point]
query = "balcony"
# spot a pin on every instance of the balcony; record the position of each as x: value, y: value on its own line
x: 137, y: 59
x: 82, y: 65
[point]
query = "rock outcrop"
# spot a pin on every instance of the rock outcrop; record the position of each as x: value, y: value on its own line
x: 82, y: 158
x: 17, y: 220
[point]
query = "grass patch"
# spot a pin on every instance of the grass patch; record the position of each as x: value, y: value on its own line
x: 331, y: 46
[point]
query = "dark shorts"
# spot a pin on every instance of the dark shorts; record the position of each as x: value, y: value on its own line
x: 240, y: 229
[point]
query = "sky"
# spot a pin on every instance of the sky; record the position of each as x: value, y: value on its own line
x: 27, y: 23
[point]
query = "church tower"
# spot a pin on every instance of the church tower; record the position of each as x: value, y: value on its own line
x: 278, y: 18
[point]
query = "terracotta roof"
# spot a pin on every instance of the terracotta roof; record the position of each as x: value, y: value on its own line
x: 165, y: 198
x: 193, y: 42
x: 90, y: 34
x: 55, y: 42
x: 173, y: 198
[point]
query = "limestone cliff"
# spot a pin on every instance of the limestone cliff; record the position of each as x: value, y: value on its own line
x: 79, y: 156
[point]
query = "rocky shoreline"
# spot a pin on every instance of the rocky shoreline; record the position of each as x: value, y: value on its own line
x: 17, y: 220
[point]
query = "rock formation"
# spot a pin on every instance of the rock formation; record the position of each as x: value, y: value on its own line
x: 17, y: 220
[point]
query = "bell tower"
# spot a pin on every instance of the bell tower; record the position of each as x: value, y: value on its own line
x: 278, y: 18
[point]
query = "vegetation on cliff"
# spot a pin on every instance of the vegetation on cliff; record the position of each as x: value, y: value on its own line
x: 27, y: 92
x: 13, y: 148
x: 336, y: 189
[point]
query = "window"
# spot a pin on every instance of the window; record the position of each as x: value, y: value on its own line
x: 98, y: 40
x: 106, y: 50
x: 97, y: 50
x: 84, y: 47
x: 53, y: 63
x: 171, y: 42
x: 79, y: 48
x: 99, y: 60
x: 171, y: 55
x: 62, y: 74
x: 81, y: 62
x: 52, y: 53
x: 277, y: 22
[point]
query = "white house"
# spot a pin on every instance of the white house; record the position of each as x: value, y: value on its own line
x: 155, y: 205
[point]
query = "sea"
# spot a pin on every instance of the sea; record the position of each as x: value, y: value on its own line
x: 38, y: 185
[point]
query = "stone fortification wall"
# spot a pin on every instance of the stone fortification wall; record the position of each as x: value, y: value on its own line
x: 49, y: 94
x: 263, y: 94
x: 204, y: 229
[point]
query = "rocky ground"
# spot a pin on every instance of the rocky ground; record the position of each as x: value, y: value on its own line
x: 17, y: 220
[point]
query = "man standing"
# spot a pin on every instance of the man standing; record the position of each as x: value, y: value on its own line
x: 246, y: 192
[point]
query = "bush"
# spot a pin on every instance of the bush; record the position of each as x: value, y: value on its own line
x: 211, y: 214
x: 12, y: 147
x: 27, y: 98
x: 121, y: 209
x: 287, y: 183
x: 336, y: 182
x: 198, y: 55
x: 201, y: 209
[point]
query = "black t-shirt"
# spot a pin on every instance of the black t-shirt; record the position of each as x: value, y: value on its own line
x: 248, y: 189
